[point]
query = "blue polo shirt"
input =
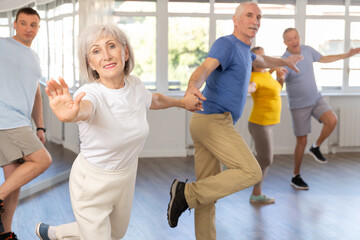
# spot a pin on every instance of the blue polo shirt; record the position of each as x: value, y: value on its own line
x: 226, y: 87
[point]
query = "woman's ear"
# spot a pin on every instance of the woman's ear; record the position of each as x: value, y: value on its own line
x: 127, y: 54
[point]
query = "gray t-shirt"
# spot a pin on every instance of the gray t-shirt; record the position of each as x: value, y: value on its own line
x: 301, y: 87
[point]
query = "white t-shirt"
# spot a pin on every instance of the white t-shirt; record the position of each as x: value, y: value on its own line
x: 115, y: 133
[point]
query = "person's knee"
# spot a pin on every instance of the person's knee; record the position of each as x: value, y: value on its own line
x: 332, y: 120
x: 46, y: 161
x: 41, y: 158
x: 301, y: 140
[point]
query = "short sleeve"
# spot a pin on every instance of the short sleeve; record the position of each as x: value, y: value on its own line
x: 90, y: 91
x: 315, y: 54
x: 146, y: 94
x: 222, y: 50
x: 253, y: 56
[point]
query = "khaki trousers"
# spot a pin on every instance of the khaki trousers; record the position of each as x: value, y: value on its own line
x: 217, y: 141
x: 101, y: 200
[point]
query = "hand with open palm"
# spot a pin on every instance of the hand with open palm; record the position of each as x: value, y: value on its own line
x: 61, y: 102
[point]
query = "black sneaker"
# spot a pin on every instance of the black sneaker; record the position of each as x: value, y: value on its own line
x: 177, y: 204
x: 1, y: 211
x: 315, y: 152
x: 8, y: 236
x: 298, y: 183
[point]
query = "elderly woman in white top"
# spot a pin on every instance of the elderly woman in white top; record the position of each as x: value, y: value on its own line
x: 111, y: 114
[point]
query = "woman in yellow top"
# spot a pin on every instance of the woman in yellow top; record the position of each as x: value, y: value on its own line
x: 265, y: 114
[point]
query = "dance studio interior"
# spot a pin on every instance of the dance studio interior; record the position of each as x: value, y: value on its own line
x: 170, y: 40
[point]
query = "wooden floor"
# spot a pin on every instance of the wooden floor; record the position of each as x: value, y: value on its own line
x: 329, y: 210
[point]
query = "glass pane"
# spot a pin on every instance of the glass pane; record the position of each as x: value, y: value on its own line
x: 354, y: 10
x: 354, y: 64
x: 4, y: 32
x: 4, y: 21
x: 51, y: 27
x: 325, y: 10
x: 56, y: 49
x: 42, y: 13
x: 224, y: 27
x: 270, y: 37
x: 225, y: 8
x: 144, y: 46
x: 277, y: 9
x: 76, y: 64
x: 68, y: 51
x: 135, y: 6
x: 327, y: 42
x: 188, y: 48
x: 40, y: 47
x: 188, y: 7
x: 77, y: 6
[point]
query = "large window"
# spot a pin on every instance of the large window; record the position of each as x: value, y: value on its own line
x: 171, y: 38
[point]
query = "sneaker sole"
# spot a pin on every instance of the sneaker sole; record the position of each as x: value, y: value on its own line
x: 262, y: 202
x: 316, y: 159
x: 298, y: 187
x: 37, y: 231
x: 172, y: 195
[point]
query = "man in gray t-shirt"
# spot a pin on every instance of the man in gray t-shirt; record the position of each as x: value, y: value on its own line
x: 305, y: 100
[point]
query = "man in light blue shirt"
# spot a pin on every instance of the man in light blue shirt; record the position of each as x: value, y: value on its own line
x: 305, y: 100
x: 22, y: 153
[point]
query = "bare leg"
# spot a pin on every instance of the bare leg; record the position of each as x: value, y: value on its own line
x: 35, y: 164
x: 10, y: 202
x: 299, y: 152
x: 329, y: 120
x: 17, y: 175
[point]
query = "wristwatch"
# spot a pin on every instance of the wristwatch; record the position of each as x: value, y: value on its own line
x: 40, y: 128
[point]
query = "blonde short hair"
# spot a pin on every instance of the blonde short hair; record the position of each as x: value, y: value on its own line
x: 89, y: 36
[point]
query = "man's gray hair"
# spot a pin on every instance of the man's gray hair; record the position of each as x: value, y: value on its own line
x: 289, y: 30
x: 240, y: 8
x: 89, y: 36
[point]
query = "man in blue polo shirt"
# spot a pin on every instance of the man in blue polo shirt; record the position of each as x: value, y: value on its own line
x: 227, y: 71
x: 305, y: 101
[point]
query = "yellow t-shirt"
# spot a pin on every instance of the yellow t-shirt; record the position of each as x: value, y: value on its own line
x: 267, y: 101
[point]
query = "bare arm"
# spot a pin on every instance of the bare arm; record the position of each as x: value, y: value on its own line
x: 333, y: 58
x: 199, y: 77
x: 65, y: 108
x: 189, y: 102
x: 280, y: 74
x: 37, y: 114
x: 271, y: 62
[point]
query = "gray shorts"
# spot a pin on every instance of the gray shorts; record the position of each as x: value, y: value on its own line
x: 16, y: 143
x: 301, y: 118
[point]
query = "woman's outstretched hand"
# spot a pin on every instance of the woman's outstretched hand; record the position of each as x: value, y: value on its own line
x: 61, y: 102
